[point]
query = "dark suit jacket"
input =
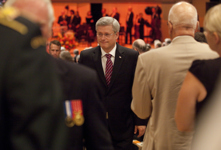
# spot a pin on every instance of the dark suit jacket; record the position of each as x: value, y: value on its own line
x: 61, y: 19
x: 30, y: 93
x: 130, y: 20
x: 117, y: 16
x: 117, y: 97
x: 81, y: 83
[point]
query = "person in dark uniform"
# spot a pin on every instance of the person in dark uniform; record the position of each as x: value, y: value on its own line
x: 116, y: 82
x: 81, y: 96
x: 30, y: 95
x: 81, y: 93
x: 129, y: 23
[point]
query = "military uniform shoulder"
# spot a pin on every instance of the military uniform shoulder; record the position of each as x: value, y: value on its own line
x: 7, y: 18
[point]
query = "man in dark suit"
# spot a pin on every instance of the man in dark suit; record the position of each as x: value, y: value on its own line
x: 129, y: 23
x: 72, y: 21
x: 115, y: 14
x: 85, y: 121
x: 30, y: 95
x: 115, y: 66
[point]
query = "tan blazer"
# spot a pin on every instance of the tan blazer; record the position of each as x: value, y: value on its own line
x: 159, y: 74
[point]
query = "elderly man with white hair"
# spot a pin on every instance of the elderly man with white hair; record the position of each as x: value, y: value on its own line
x: 159, y: 76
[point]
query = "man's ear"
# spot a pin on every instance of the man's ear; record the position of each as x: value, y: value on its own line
x: 197, y: 26
x: 217, y: 38
x: 117, y: 35
x: 170, y: 27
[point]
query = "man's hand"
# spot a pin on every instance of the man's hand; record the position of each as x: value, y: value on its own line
x: 141, y: 130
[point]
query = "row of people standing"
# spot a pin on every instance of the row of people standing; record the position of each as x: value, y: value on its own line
x: 71, y: 22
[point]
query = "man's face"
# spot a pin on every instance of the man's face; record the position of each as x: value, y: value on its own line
x: 106, y: 37
x: 55, y: 50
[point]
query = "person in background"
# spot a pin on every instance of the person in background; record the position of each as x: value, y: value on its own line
x: 55, y: 48
x: 157, y: 44
x: 63, y: 21
x: 115, y: 14
x: 140, y: 46
x: 141, y: 23
x: 159, y: 76
x: 200, y: 37
x: 103, y: 12
x: 115, y: 66
x: 31, y: 112
x: 78, y: 20
x: 76, y: 55
x: 129, y: 24
x: 65, y: 55
x: 71, y: 20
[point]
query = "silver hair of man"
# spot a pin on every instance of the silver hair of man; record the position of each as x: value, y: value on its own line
x: 47, y: 2
x: 212, y: 20
x: 106, y: 21
x: 183, y: 13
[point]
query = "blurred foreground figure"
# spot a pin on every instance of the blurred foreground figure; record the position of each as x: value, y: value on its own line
x: 199, y: 84
x: 30, y: 100
x: 159, y: 76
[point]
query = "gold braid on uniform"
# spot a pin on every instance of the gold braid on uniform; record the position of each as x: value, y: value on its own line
x: 6, y: 18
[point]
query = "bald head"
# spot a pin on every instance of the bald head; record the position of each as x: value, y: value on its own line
x: 139, y: 45
x: 38, y: 11
x: 183, y: 14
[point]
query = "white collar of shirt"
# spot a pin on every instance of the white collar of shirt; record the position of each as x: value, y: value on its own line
x: 112, y: 52
x: 104, y: 58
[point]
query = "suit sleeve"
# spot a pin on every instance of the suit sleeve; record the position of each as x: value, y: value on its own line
x: 34, y: 101
x: 96, y: 133
x: 141, y: 103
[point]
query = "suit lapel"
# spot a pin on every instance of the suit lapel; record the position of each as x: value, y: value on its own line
x: 119, y: 58
x: 98, y: 65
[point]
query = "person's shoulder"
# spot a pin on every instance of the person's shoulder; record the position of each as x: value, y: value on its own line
x: 127, y: 50
x: 89, y: 50
x: 74, y: 69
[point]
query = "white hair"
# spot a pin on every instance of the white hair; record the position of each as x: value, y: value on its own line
x: 212, y: 20
x: 105, y: 21
x: 183, y: 13
x: 47, y: 2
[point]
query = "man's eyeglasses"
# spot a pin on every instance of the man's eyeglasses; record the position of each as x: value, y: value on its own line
x: 107, y: 35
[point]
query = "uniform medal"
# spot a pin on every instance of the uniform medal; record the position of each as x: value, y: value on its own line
x: 74, y: 113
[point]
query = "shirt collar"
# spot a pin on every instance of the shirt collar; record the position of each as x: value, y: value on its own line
x: 112, y: 52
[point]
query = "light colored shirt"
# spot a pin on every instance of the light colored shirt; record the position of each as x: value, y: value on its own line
x: 104, y: 58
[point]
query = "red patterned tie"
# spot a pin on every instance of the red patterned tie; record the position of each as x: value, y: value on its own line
x: 109, y: 68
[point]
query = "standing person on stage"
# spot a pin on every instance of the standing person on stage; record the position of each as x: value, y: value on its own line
x: 104, y: 12
x: 63, y: 22
x: 159, y: 76
x: 115, y: 66
x: 141, y: 23
x: 115, y: 14
x: 129, y: 24
x: 31, y: 115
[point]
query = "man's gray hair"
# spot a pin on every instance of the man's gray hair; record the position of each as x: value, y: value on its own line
x: 106, y: 21
x: 140, y: 45
x: 183, y: 13
x: 47, y: 2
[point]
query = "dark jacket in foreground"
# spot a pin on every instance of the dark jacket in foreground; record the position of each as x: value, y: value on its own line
x: 30, y: 93
x: 80, y: 83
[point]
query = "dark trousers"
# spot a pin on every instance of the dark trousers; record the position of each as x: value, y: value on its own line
x: 128, y: 31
